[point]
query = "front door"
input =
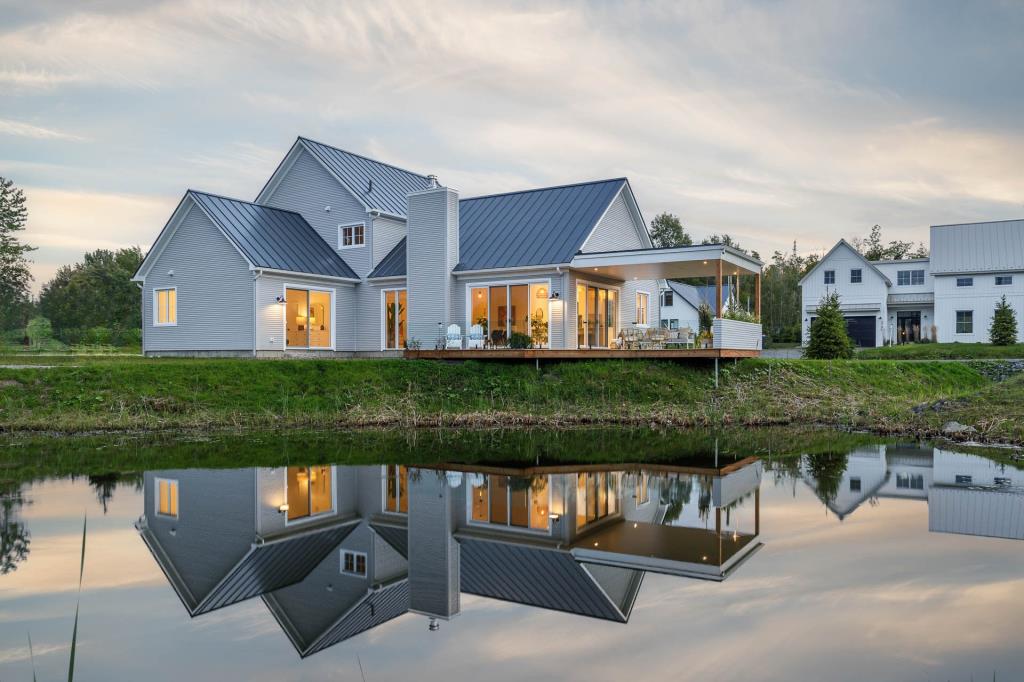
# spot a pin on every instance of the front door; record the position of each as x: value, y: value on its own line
x: 908, y: 326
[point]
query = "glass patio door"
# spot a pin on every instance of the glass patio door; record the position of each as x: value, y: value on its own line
x: 307, y: 318
x: 394, y: 319
x: 596, y: 316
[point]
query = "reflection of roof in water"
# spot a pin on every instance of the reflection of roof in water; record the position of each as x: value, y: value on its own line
x: 992, y: 511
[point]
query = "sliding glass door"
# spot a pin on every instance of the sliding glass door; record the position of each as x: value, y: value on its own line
x: 596, y: 316
x: 506, y: 309
x: 307, y: 318
x: 394, y: 319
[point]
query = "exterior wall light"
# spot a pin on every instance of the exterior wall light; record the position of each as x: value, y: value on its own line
x: 283, y: 508
x: 554, y: 296
x: 281, y: 299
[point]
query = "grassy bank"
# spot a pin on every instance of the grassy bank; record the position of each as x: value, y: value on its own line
x: 105, y: 394
x: 943, y: 351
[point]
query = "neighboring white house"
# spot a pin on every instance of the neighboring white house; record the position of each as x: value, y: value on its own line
x: 948, y: 297
x: 341, y: 255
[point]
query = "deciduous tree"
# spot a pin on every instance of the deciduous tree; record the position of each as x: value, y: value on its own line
x: 15, y: 277
x: 667, y: 230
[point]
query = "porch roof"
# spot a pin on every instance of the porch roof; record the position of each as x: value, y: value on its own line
x: 669, y: 263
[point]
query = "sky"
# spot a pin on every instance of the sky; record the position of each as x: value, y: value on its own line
x: 772, y: 121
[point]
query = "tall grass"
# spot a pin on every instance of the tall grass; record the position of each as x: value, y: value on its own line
x: 74, y: 632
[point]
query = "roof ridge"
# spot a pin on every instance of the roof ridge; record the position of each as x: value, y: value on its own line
x: 543, y: 189
x: 981, y: 222
x: 242, y: 201
x: 362, y: 156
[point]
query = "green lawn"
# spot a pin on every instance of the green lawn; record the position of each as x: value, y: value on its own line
x: 108, y: 393
x: 942, y: 351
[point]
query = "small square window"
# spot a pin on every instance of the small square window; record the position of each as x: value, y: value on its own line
x: 351, y: 236
x: 1004, y: 280
x: 965, y: 322
x: 854, y: 485
x: 965, y: 281
x: 856, y: 276
x: 830, y: 277
x: 353, y: 563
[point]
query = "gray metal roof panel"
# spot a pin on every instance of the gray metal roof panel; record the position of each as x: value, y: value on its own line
x: 395, y: 536
x: 274, y: 565
x: 996, y: 246
x: 390, y: 184
x: 377, y: 608
x: 546, y: 578
x: 687, y: 292
x: 533, y: 227
x: 393, y: 264
x: 273, y: 238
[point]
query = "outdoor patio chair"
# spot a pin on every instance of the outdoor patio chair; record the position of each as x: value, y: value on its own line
x: 453, y: 339
x: 476, y: 337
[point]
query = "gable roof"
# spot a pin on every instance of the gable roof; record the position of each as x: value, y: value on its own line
x: 687, y: 292
x: 546, y: 226
x: 843, y: 242
x: 539, y: 576
x: 393, y: 264
x: 265, y: 567
x: 379, y: 186
x: 272, y: 238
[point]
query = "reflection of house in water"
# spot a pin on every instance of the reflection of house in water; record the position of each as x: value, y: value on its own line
x: 335, y: 551
x: 965, y: 493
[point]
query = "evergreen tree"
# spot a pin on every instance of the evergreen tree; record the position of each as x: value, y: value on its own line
x: 14, y: 273
x: 667, y: 230
x: 1003, y: 331
x: 829, y: 339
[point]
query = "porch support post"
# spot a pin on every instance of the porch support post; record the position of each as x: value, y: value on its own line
x: 718, y: 290
x: 757, y: 295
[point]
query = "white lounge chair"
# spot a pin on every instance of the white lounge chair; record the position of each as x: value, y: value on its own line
x: 476, y: 337
x: 453, y: 339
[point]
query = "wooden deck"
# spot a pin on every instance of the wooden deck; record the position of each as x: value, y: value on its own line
x: 582, y: 354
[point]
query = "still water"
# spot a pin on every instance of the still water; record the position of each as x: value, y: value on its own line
x: 883, y: 561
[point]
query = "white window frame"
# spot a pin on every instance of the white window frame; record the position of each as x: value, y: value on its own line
x: 956, y: 322
x: 827, y: 274
x: 355, y: 556
x: 311, y: 517
x: 470, y: 285
x: 967, y: 282
x: 1008, y: 280
x: 910, y: 278
x: 576, y: 312
x: 398, y: 492
x: 341, y: 236
x: 667, y: 294
x: 647, y: 307
x: 156, y: 306
x: 156, y: 497
x: 860, y: 275
x: 384, y: 318
x: 284, y: 317
x: 508, y: 508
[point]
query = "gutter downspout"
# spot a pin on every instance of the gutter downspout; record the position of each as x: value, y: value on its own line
x: 256, y: 276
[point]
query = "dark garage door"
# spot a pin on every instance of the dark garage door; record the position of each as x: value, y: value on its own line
x: 861, y: 329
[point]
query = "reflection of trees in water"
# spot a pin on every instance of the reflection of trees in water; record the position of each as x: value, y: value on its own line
x: 104, y: 485
x: 14, y: 535
x: 827, y: 471
x: 676, y: 492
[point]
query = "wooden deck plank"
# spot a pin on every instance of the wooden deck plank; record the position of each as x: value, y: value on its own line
x: 586, y: 354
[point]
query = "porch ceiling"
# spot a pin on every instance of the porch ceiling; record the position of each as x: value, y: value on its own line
x: 669, y: 263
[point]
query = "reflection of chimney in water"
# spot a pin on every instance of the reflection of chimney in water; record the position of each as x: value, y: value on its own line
x: 433, y: 550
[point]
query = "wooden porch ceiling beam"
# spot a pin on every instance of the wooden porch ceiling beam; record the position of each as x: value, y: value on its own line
x: 718, y: 290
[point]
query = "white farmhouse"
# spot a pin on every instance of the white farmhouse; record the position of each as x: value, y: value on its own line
x: 948, y: 297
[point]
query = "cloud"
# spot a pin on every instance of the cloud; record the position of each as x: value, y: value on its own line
x: 21, y: 129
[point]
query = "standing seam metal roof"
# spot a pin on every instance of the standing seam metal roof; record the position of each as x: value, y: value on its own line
x: 390, y: 183
x: 393, y: 264
x: 531, y: 227
x: 273, y: 238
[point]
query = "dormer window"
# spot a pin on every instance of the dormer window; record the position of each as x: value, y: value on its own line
x: 351, y: 236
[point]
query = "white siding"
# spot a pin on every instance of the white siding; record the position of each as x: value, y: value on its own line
x: 980, y: 298
x: 978, y: 247
x: 215, y: 291
x: 369, y: 315
x: 617, y: 230
x: 432, y: 253
x: 680, y: 310
x: 307, y: 188
x: 386, y: 234
x: 867, y: 298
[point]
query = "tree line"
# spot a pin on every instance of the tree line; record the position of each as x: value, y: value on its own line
x: 93, y: 301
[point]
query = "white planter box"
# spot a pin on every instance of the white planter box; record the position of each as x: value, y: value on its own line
x: 736, y: 335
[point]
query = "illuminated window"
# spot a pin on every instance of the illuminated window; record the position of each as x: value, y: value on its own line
x: 396, y: 489
x: 520, y: 502
x: 353, y: 563
x: 641, y: 308
x: 167, y: 497
x: 310, y: 492
x: 643, y: 493
x: 597, y: 496
x: 308, y: 318
x: 395, y: 309
x: 165, y: 307
x: 351, y: 236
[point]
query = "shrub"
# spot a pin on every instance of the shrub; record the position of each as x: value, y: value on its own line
x: 1003, y: 331
x: 740, y: 315
x: 520, y: 340
x: 101, y: 336
x: 829, y: 339
x: 39, y: 332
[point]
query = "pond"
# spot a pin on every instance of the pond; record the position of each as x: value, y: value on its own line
x: 575, y: 555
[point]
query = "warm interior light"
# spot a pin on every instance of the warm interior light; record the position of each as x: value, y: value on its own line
x: 634, y: 525
x: 595, y: 544
x: 283, y: 508
x: 554, y: 517
x: 595, y: 269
